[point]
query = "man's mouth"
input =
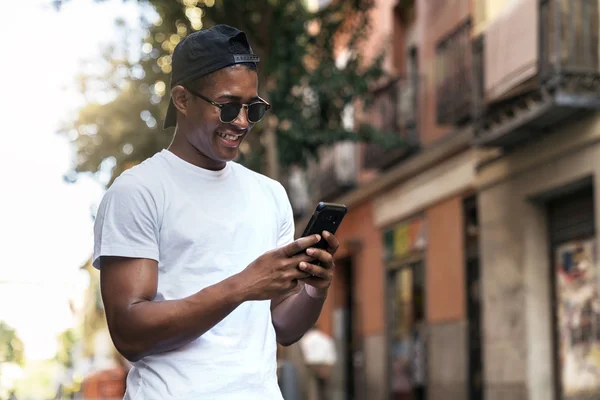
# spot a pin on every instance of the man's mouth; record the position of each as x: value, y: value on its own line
x: 229, y: 139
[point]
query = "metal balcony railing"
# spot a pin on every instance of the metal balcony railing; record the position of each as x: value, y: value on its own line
x: 394, y: 110
x: 568, y: 38
x: 532, y: 92
x: 453, y: 75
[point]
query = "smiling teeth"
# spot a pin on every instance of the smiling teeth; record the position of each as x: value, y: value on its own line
x: 229, y: 137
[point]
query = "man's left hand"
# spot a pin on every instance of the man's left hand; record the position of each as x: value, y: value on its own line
x: 318, y: 284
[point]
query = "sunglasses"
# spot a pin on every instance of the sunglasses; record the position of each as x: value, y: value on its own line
x: 230, y: 111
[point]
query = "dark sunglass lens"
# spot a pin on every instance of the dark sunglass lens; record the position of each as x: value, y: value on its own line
x: 229, y: 112
x: 256, y: 111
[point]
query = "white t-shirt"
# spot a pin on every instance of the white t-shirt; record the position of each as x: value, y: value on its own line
x: 201, y: 226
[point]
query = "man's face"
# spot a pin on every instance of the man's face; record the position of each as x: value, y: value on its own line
x: 214, y: 139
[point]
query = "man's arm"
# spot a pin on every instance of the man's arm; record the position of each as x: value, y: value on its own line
x: 293, y: 315
x: 140, y: 326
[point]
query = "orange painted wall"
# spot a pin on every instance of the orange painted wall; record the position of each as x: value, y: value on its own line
x: 368, y: 273
x: 445, y: 274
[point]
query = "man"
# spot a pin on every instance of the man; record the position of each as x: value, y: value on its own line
x: 320, y: 356
x: 199, y: 270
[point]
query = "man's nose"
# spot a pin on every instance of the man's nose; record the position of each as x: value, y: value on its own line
x: 241, y: 121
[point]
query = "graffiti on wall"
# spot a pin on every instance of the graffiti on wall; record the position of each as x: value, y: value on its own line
x: 578, y: 301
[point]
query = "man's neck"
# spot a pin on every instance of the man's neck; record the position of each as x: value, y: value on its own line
x: 190, y: 154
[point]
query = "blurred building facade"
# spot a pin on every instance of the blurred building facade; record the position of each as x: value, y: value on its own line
x: 399, y: 307
x: 467, y: 267
x: 537, y: 81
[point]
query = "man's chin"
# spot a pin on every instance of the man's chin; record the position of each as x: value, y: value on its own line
x: 227, y: 151
x: 230, y: 154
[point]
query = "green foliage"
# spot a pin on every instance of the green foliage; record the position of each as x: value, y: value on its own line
x: 298, y: 75
x: 11, y: 347
x: 38, y: 381
x: 66, y: 342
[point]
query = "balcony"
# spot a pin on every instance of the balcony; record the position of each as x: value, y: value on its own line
x: 332, y: 174
x: 393, y: 111
x: 453, y: 74
x: 532, y: 76
x: 337, y: 171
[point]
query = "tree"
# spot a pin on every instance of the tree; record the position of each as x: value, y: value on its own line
x: 66, y: 341
x: 11, y: 347
x: 298, y: 75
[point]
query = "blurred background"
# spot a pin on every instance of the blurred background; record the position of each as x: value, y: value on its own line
x: 463, y: 135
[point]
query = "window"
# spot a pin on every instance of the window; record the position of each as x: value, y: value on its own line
x: 453, y: 75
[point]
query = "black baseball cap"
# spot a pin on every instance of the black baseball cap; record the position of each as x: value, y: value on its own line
x: 203, y: 52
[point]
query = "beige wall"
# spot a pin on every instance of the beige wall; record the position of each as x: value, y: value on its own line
x: 514, y: 257
x: 511, y: 48
x: 449, y: 178
x: 486, y: 11
x: 447, y: 361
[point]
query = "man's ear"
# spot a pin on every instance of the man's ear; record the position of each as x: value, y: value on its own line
x: 180, y: 99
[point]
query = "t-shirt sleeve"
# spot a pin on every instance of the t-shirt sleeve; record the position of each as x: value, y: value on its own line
x: 127, y: 222
x: 287, y: 227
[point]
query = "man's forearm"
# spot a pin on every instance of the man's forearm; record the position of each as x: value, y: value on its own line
x: 151, y: 327
x: 296, y: 315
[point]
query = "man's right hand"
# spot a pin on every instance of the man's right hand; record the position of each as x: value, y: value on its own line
x: 276, y: 272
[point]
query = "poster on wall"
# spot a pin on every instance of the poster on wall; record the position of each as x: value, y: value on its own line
x: 578, y: 301
x: 408, y: 334
x: 405, y: 238
x: 401, y: 385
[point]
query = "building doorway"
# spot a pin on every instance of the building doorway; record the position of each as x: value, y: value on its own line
x: 473, y: 286
x: 346, y: 328
x: 406, y: 288
x: 571, y: 223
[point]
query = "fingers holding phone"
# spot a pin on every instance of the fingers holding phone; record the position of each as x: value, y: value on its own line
x: 325, y: 220
x: 322, y: 267
x: 324, y: 256
x: 276, y: 272
x: 332, y: 243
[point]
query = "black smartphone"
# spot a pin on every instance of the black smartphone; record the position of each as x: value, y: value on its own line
x: 326, y: 217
